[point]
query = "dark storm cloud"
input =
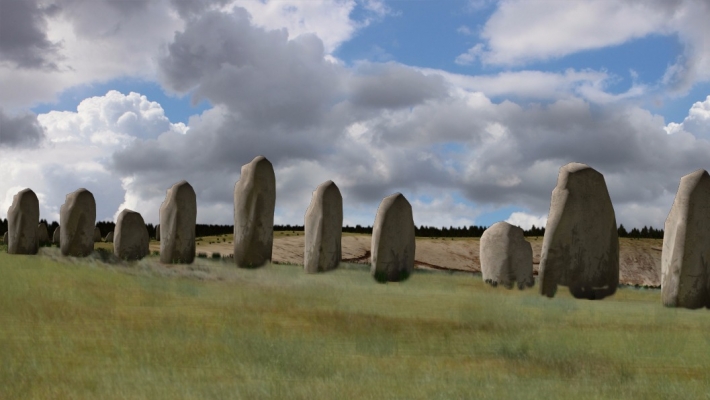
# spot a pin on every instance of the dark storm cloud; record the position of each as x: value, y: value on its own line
x: 20, y: 131
x: 23, y: 40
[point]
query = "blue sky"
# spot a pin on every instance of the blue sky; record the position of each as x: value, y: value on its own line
x: 469, y: 108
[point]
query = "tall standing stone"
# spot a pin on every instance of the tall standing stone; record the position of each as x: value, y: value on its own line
x: 393, y: 240
x: 97, y: 234
x: 42, y: 234
x: 506, y: 257
x: 22, y: 221
x: 178, y: 216
x: 254, y: 203
x: 56, y: 236
x: 580, y: 248
x: 77, y: 216
x: 157, y: 232
x: 323, y: 227
x: 685, y: 259
x: 131, y: 240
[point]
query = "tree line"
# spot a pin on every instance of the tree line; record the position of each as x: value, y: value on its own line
x: 422, y: 231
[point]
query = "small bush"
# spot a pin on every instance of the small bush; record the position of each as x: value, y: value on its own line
x: 155, y: 253
x: 202, y: 255
x: 216, y: 255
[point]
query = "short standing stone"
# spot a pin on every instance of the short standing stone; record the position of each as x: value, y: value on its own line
x: 323, y: 229
x: 506, y: 257
x: 131, y: 239
x: 97, y: 234
x: 77, y: 216
x: 56, y: 236
x: 254, y: 203
x: 685, y: 260
x: 109, y: 237
x: 581, y: 245
x: 157, y: 232
x: 178, y: 216
x: 22, y: 221
x: 393, y: 243
x: 4, y: 238
x: 42, y: 234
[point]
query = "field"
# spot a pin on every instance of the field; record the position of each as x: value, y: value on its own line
x: 98, y: 328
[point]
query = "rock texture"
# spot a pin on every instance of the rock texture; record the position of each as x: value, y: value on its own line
x: 506, y: 257
x: 254, y: 202
x: 157, y: 232
x: 685, y: 260
x: 581, y: 246
x: 22, y: 221
x: 42, y: 234
x: 109, y: 237
x: 323, y: 225
x: 56, y: 236
x: 131, y: 239
x: 393, y: 240
x: 178, y: 216
x: 77, y: 216
x: 97, y: 235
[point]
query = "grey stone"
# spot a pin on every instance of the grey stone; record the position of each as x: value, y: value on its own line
x: 97, y: 235
x: 580, y: 248
x: 109, y: 237
x: 56, y: 236
x: 393, y: 242
x: 506, y: 257
x: 131, y: 241
x: 685, y: 257
x: 4, y: 238
x: 178, y: 216
x: 22, y: 221
x: 42, y: 234
x: 77, y: 216
x: 157, y: 232
x: 254, y: 203
x: 323, y: 227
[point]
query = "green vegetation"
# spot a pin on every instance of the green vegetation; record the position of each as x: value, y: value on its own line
x: 101, y: 328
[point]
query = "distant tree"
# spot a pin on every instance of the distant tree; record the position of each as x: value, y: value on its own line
x: 622, y: 231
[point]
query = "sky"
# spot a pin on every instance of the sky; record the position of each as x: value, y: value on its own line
x: 469, y: 108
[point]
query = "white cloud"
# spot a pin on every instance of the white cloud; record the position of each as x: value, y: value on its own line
x: 697, y: 122
x: 526, y: 221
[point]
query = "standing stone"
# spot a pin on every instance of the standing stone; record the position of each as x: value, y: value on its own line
x: 254, y: 203
x: 4, y: 238
x: 109, y: 237
x: 77, y: 216
x: 22, y: 221
x: 580, y: 248
x: 157, y: 232
x: 131, y: 239
x: 685, y: 260
x: 56, y: 236
x: 42, y: 235
x: 178, y: 216
x: 506, y: 257
x: 97, y: 235
x: 393, y: 240
x: 323, y: 229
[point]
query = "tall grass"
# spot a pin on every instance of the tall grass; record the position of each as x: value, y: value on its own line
x: 84, y: 329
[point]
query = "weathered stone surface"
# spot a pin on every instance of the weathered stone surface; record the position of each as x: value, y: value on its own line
x: 393, y: 240
x: 56, y: 236
x: 22, y: 221
x: 157, y: 232
x: 254, y: 202
x: 580, y: 248
x: 178, y: 216
x: 685, y: 259
x: 323, y: 227
x: 109, y: 237
x: 42, y: 234
x: 506, y: 257
x: 131, y: 239
x: 77, y: 216
x: 4, y: 238
x: 97, y: 235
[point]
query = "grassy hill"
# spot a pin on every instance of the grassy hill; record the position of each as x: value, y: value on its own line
x: 100, y: 328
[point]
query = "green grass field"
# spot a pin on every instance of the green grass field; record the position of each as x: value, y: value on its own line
x: 85, y: 329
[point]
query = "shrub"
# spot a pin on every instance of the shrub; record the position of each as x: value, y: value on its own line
x: 216, y: 255
x: 202, y: 255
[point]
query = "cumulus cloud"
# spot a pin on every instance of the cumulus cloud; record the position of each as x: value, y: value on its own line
x: 527, y: 221
x: 20, y: 130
